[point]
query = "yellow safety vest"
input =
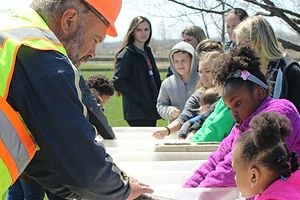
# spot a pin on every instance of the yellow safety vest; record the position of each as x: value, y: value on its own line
x: 17, y: 147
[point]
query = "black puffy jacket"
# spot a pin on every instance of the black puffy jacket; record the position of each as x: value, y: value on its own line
x: 132, y: 80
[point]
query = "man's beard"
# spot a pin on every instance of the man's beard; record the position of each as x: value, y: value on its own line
x: 73, y: 45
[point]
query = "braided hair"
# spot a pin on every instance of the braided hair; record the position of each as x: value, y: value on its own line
x: 264, y: 144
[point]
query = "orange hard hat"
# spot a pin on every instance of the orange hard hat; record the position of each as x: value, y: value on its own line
x: 110, y: 10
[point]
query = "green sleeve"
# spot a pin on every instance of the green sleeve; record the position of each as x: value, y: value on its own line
x: 217, y: 126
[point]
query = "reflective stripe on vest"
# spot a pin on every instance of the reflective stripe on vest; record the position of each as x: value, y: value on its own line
x: 16, y: 145
x: 14, y: 136
x: 13, y: 40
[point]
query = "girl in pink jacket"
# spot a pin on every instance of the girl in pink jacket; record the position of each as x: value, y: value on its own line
x: 245, y: 92
x: 264, y: 166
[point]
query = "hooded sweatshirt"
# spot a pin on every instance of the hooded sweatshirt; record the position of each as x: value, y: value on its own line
x: 218, y: 172
x: 174, y: 92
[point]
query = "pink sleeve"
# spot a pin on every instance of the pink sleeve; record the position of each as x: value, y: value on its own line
x: 218, y: 166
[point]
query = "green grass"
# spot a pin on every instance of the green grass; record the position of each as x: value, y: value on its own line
x: 113, y: 109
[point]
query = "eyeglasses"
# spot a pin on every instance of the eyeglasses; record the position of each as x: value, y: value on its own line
x: 93, y: 10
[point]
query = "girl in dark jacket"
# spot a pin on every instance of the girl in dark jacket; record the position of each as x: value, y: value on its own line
x: 136, y: 75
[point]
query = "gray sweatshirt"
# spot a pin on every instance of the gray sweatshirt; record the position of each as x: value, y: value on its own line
x: 174, y: 91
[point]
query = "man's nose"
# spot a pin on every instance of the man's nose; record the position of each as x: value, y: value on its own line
x: 92, y: 52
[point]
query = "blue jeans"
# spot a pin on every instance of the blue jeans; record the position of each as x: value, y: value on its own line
x: 25, y: 190
x: 28, y: 190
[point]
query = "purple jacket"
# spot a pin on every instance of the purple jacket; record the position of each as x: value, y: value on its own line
x: 283, y: 189
x: 217, y: 171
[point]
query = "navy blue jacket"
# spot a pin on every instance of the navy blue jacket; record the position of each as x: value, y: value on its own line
x: 45, y: 90
x: 132, y: 79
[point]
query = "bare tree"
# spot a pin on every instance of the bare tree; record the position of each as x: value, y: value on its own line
x: 269, y: 8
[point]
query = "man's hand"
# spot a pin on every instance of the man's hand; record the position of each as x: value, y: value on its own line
x: 138, y: 188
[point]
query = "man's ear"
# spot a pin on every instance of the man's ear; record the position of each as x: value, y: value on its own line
x: 69, y: 21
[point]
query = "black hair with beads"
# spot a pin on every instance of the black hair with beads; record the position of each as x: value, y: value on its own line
x: 264, y: 144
